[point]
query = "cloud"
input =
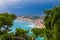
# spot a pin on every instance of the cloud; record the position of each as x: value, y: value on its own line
x: 5, y: 3
x: 12, y: 2
x: 26, y: 6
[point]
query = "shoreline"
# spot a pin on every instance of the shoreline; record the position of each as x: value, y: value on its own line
x: 37, y: 23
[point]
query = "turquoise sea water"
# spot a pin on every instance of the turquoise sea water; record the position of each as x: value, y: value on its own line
x: 24, y: 25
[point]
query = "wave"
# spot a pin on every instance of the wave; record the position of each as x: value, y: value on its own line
x: 32, y: 25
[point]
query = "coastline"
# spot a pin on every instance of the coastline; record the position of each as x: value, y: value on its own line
x: 37, y: 23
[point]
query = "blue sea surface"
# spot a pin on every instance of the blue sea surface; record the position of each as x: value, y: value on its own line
x: 21, y: 24
x: 24, y: 25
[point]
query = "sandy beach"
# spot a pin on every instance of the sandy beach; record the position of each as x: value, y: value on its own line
x: 38, y: 22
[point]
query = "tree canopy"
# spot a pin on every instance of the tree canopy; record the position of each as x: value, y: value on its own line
x: 6, y: 21
x: 52, y: 22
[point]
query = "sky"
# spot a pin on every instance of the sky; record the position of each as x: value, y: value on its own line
x: 27, y: 7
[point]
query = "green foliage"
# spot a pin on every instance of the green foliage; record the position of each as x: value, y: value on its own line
x: 57, y: 31
x: 20, y: 32
x: 39, y: 32
x: 50, y: 34
x: 52, y: 22
x: 6, y: 21
x: 9, y: 36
